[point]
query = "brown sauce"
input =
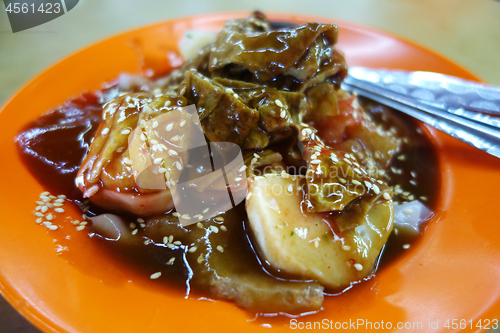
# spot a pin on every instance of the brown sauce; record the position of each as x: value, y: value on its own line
x: 53, y: 146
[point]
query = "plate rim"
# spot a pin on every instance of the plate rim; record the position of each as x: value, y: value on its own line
x: 14, y: 298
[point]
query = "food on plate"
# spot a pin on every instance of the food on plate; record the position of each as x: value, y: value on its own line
x: 333, y: 182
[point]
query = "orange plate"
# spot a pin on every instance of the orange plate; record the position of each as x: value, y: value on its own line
x: 68, y: 285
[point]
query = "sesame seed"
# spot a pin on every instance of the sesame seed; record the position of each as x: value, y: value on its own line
x: 157, y: 160
x: 83, y: 223
x: 39, y: 220
x: 283, y: 114
x: 182, y: 123
x: 220, y: 249
x: 200, y: 259
x: 170, y: 238
x: 290, y: 188
x: 171, y: 261
x: 155, y: 124
x: 52, y: 227
x: 347, y: 161
x: 173, y: 153
x: 44, y: 209
x: 355, y: 182
x: 46, y: 223
x: 125, y: 131
x: 243, y: 168
x: 39, y: 214
x: 49, y: 217
x: 80, y: 228
x: 177, y: 243
x: 229, y: 91
x: 105, y: 131
x: 387, y: 196
x: 178, y: 165
x: 45, y: 193
x: 368, y: 184
x: 346, y: 247
x: 76, y: 222
x: 358, y: 267
x: 175, y: 138
x: 169, y: 127
x: 223, y: 228
x: 413, y: 182
x: 199, y: 225
x: 134, y: 232
x: 342, y: 180
x: 183, y: 90
x: 406, y: 246
x: 407, y: 211
x: 278, y: 103
x: 249, y: 195
x: 316, y: 243
x: 376, y: 189
x: 155, y: 275
x: 176, y: 214
x: 219, y: 219
x: 206, y: 210
x: 237, y: 179
x: 423, y: 198
x: 315, y: 162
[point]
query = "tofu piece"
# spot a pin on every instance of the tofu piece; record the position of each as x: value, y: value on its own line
x: 310, y: 245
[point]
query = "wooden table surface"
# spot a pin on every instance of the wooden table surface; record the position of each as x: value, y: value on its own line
x: 465, y: 31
